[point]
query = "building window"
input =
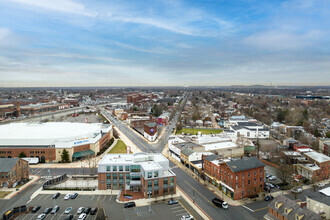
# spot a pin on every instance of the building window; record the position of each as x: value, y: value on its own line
x: 260, y: 178
x: 149, y: 174
x: 249, y: 182
x: 261, y: 171
x: 121, y: 177
x: 165, y: 182
x: 165, y: 191
x: 171, y: 181
x: 127, y: 178
x: 155, y: 173
x: 135, y: 168
x: 108, y: 185
x: 108, y: 168
x: 114, y: 168
x: 236, y: 185
x: 108, y: 177
x: 255, y: 172
x: 126, y: 168
x: 236, y: 177
x: 114, y: 177
x: 149, y: 184
x: 121, y: 168
x: 156, y: 192
x: 249, y: 173
x: 156, y: 184
x: 243, y: 175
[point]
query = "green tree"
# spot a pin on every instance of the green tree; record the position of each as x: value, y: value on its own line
x: 65, y: 156
x: 156, y: 110
x: 22, y: 155
x: 327, y: 134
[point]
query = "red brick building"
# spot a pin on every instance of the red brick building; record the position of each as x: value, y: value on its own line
x: 137, y: 98
x: 150, y: 131
x: 13, y: 170
x: 236, y: 178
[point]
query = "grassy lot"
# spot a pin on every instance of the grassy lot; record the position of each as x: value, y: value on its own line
x: 195, y: 131
x: 3, y: 194
x: 119, y: 148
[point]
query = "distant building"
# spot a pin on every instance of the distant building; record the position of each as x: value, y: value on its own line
x: 248, y: 130
x: 140, y: 172
x: 13, y: 170
x: 283, y: 208
x: 150, y: 131
x: 236, y: 178
x: 41, y: 108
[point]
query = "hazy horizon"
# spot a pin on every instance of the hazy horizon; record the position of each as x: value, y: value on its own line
x: 84, y: 43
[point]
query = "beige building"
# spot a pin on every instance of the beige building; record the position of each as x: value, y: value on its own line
x: 319, y: 202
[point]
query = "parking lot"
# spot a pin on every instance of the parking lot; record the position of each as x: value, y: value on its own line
x: 114, y: 210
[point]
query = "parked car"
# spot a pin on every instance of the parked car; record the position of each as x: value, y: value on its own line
x: 87, y: 210
x: 80, y: 210
x: 68, y: 210
x: 298, y: 190
x: 41, y: 217
x: 93, y: 211
x: 321, y: 185
x: 187, y: 217
x: 47, y: 210
x: 82, y: 216
x: 74, y: 195
x: 56, y: 195
x: 269, y: 198
x: 67, y: 196
x: 272, y: 177
x: 220, y: 203
x: 69, y: 217
x: 55, y: 209
x: 271, y: 185
x: 36, y: 209
x: 172, y: 202
x: 129, y: 205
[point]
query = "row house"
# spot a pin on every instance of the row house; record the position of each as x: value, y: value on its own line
x: 235, y: 178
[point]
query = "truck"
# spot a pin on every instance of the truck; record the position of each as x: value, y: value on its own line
x: 220, y: 203
x: 31, y: 160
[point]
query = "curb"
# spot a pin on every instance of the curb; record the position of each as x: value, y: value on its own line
x: 10, y: 196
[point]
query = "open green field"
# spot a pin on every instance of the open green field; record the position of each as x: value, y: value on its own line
x: 3, y: 194
x: 196, y: 130
x: 119, y: 148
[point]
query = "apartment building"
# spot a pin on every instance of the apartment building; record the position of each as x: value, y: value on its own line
x: 235, y: 178
x: 140, y: 172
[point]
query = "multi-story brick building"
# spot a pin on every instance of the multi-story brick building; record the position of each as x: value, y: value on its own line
x: 236, y: 178
x: 140, y: 172
x: 318, y: 166
x: 13, y: 170
x: 35, y: 109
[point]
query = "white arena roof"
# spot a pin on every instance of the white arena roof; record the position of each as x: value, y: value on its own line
x: 52, y: 133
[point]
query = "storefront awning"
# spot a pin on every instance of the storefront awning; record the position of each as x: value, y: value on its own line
x: 83, y: 154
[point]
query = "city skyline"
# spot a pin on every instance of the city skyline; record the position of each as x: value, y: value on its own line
x: 164, y: 43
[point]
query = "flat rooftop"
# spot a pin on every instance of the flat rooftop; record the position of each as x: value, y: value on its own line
x: 48, y: 133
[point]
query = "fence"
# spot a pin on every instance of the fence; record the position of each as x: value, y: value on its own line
x: 50, y: 183
x: 15, y: 210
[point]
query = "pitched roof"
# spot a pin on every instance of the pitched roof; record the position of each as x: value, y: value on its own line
x: 187, y: 152
x: 7, y: 164
x: 244, y: 164
x: 321, y: 196
x: 281, y: 204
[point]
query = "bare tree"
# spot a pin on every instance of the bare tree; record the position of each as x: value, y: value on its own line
x: 284, y: 172
x: 91, y: 160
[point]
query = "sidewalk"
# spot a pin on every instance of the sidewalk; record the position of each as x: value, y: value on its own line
x: 14, y: 193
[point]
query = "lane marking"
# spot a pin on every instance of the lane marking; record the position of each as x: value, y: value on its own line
x: 251, y: 210
x: 260, y: 209
x: 200, y: 194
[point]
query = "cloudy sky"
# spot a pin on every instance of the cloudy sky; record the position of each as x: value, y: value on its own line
x: 164, y: 42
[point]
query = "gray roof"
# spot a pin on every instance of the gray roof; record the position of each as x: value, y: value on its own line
x: 212, y: 157
x: 320, y: 197
x: 243, y: 124
x: 245, y: 164
x: 187, y: 152
x: 296, y: 209
x: 7, y: 164
x: 184, y: 145
x: 235, y: 127
x: 151, y: 124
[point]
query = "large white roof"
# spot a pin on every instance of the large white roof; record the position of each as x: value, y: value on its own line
x: 320, y: 158
x: 48, y: 133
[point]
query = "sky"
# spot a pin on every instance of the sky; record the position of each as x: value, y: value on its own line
x: 164, y: 42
